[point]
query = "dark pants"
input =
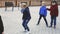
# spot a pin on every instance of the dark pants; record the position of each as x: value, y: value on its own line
x: 53, y: 18
x: 44, y: 19
x: 25, y: 22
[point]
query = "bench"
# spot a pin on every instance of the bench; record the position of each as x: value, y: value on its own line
x: 9, y: 4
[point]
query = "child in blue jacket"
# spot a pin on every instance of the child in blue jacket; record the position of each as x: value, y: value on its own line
x: 43, y: 13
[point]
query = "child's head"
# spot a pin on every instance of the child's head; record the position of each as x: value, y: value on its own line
x: 54, y: 2
x: 23, y: 5
x: 43, y: 3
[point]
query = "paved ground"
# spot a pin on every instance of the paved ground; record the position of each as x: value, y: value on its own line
x: 12, y: 21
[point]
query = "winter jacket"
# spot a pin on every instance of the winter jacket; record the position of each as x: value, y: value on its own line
x: 26, y: 13
x: 43, y: 11
x: 1, y: 25
x: 53, y: 10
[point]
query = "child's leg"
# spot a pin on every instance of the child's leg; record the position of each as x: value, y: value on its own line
x: 24, y: 21
x: 39, y: 19
x: 26, y: 24
x: 45, y: 21
x: 54, y: 21
x: 51, y: 21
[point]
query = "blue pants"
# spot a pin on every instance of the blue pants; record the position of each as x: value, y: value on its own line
x: 53, y: 18
x: 25, y: 22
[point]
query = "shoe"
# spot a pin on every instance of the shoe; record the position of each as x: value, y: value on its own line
x: 37, y: 24
x: 28, y: 32
x: 54, y: 27
x: 50, y: 26
x: 25, y: 31
x: 47, y: 26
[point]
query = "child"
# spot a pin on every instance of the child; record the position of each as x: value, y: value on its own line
x: 43, y: 13
x: 53, y: 12
x: 26, y: 17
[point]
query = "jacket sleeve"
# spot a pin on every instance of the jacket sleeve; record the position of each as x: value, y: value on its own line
x: 39, y: 11
x: 22, y: 10
x: 57, y: 10
x: 48, y: 9
x: 28, y: 12
x: 46, y: 12
x: 1, y: 25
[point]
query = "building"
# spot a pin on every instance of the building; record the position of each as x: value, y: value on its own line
x: 29, y: 2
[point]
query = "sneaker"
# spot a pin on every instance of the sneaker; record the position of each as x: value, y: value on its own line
x: 54, y: 27
x: 37, y: 24
x: 47, y: 26
x: 50, y: 26
x: 25, y: 31
x: 28, y: 32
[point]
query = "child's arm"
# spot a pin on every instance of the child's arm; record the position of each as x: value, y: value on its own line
x: 1, y: 25
x: 48, y: 9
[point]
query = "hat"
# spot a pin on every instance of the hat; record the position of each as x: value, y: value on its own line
x: 23, y: 3
x: 43, y: 2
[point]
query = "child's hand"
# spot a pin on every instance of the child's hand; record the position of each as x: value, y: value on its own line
x: 47, y: 8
